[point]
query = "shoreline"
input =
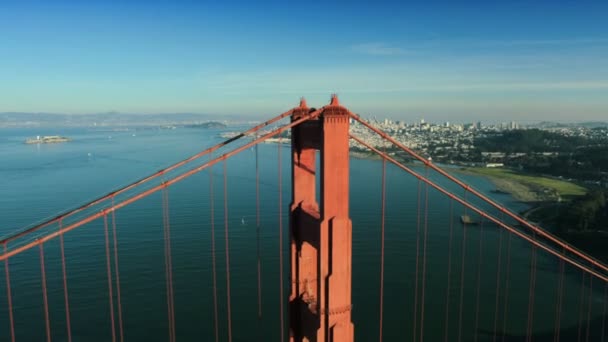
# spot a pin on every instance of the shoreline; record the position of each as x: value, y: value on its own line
x: 526, y: 187
x: 518, y: 190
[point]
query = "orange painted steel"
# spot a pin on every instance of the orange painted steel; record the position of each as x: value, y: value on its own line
x: 321, y: 240
x: 9, y: 298
x: 280, y: 210
x: 534, y: 228
x: 257, y: 232
x: 47, y: 320
x: 604, y: 312
x: 580, y: 306
x: 109, y: 276
x: 424, y: 246
x: 499, y: 269
x: 416, y: 282
x: 507, y: 279
x: 558, y: 302
x: 462, y: 262
x: 482, y: 213
x: 65, y: 287
x: 383, y: 209
x: 117, y: 276
x: 449, y: 278
x: 152, y: 190
x: 227, y: 251
x: 145, y: 179
x: 168, y: 263
x: 213, y: 260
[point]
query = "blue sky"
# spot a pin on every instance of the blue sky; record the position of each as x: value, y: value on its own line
x: 440, y: 61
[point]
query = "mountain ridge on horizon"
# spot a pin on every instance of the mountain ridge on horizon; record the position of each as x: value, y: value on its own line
x: 29, y: 119
x: 114, y: 118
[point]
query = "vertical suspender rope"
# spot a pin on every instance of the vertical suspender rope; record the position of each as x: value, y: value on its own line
x: 479, y: 259
x: 424, y: 244
x: 168, y: 265
x: 415, y: 330
x: 498, y: 271
x: 282, y: 330
x: 462, y: 263
x: 116, y: 273
x: 44, y: 294
x: 558, y: 304
x: 228, y: 309
x: 65, y: 285
x: 507, y: 276
x: 382, y: 248
x: 604, y: 312
x: 531, y: 292
x: 109, y: 275
x: 589, y: 307
x: 213, y: 265
x: 257, y: 229
x: 449, y: 280
x: 580, y: 307
x: 9, y: 298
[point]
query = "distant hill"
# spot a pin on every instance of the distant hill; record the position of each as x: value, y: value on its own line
x: 15, y: 119
x: 210, y: 124
x: 586, y: 124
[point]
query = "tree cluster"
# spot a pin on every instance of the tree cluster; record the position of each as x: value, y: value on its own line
x: 587, y: 213
x: 528, y: 141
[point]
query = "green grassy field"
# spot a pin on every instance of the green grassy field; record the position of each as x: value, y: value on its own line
x: 565, y: 189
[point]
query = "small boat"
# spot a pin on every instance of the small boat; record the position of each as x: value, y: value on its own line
x: 243, y: 221
x: 466, y: 219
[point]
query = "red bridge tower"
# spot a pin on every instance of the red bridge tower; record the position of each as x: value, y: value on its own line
x: 321, y: 233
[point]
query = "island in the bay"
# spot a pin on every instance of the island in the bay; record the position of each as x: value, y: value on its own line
x: 49, y: 139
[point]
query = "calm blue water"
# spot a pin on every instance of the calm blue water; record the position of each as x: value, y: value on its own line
x: 40, y: 181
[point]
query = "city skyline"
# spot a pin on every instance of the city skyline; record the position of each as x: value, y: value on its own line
x: 444, y: 62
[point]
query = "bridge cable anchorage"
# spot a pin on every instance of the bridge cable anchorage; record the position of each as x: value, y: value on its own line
x: 116, y: 273
x: 507, y: 287
x: 449, y: 278
x: 65, y: 285
x: 498, y: 274
x: 479, y: 265
x: 9, y: 297
x: 462, y: 263
x: 486, y: 199
x: 153, y: 176
x: 152, y: 190
x: 580, y: 307
x: 382, y: 247
x: 45, y: 299
x: 257, y: 233
x: 228, y: 309
x: 281, y: 282
x: 531, y: 290
x: 109, y: 274
x: 168, y: 262
x: 213, y: 262
x: 424, y: 245
x: 490, y: 218
x: 560, y: 295
x: 589, y: 307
